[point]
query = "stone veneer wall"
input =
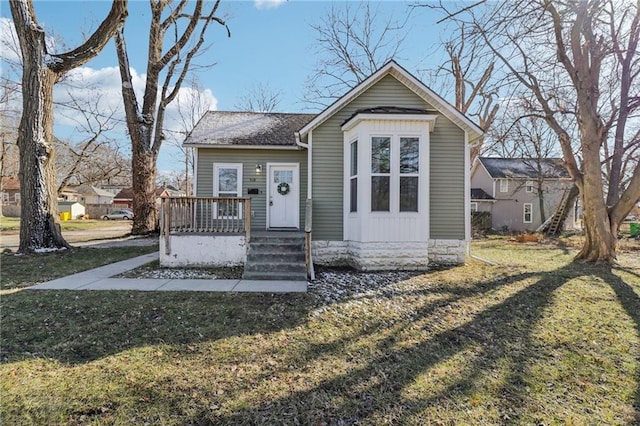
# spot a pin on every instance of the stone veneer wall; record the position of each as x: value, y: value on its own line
x: 389, y: 255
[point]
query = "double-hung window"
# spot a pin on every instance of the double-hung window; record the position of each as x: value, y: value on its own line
x: 353, y: 177
x: 227, y: 183
x: 527, y: 213
x: 395, y: 173
x: 409, y: 168
x: 380, y: 173
x: 504, y: 185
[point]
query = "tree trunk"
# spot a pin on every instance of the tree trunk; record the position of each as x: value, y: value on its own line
x: 145, y: 213
x: 39, y: 223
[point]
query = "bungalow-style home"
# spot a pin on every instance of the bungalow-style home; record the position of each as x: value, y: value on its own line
x: 378, y: 180
x: 520, y: 193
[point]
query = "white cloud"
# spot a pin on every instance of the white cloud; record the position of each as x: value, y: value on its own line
x: 268, y: 4
x: 9, y: 45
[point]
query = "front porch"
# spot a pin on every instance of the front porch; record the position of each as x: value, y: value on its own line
x: 216, y: 231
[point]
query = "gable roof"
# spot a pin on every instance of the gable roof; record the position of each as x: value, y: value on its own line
x: 90, y: 189
x: 10, y: 183
x: 523, y: 168
x: 229, y: 128
x: 413, y: 84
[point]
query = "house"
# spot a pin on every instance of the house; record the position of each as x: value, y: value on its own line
x: 10, y: 190
x: 519, y: 193
x: 379, y: 180
x: 92, y: 195
x: 68, y: 193
x: 124, y: 198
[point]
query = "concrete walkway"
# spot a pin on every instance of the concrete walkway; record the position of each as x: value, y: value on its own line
x: 100, y: 279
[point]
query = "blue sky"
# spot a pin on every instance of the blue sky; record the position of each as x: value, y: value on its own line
x: 271, y: 42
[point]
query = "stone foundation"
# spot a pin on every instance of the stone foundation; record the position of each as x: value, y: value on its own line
x: 371, y: 256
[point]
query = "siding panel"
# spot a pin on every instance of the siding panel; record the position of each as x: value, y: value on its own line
x: 250, y: 179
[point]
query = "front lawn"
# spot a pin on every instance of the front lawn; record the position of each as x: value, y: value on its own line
x: 535, y: 339
x: 19, y: 271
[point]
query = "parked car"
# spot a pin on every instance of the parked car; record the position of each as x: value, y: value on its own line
x: 630, y: 218
x: 119, y: 214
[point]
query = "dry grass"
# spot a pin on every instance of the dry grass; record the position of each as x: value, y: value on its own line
x: 537, y: 339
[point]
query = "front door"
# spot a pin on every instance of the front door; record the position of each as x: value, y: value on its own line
x: 284, y: 196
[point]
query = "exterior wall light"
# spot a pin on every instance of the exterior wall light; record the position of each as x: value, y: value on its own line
x: 258, y: 168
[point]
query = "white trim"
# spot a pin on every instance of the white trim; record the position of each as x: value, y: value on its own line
x: 269, y: 147
x: 239, y: 188
x: 524, y: 209
x: 467, y: 189
x: 404, y: 77
x: 195, y: 173
x: 354, y: 121
x: 310, y: 166
x: 506, y: 185
x: 296, y: 175
x: 528, y: 186
x: 473, y: 206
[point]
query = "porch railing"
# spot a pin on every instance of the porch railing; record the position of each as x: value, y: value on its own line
x: 206, y: 215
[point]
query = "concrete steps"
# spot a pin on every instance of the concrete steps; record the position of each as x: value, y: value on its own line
x: 276, y: 256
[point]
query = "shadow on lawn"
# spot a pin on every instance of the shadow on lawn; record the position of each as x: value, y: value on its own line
x: 500, y: 333
x: 78, y: 327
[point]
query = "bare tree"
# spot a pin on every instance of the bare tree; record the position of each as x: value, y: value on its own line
x: 39, y: 228
x: 190, y: 107
x: 259, y: 98
x: 96, y: 158
x: 579, y: 62
x: 171, y: 64
x: 352, y: 43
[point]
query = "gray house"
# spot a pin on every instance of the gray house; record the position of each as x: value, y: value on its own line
x: 520, y: 193
x: 378, y: 180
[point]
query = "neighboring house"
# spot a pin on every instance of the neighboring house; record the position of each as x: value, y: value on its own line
x: 516, y: 191
x: 124, y: 198
x: 385, y: 167
x: 10, y: 190
x: 93, y: 195
x: 69, y: 193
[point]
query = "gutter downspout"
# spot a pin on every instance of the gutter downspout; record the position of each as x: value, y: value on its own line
x: 467, y: 172
x: 309, y: 204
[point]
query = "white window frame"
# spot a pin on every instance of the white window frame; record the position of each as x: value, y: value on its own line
x: 473, y: 207
x: 391, y: 174
x: 528, y: 186
x: 5, y: 197
x: 16, y: 197
x: 353, y: 174
x: 504, y: 185
x: 216, y: 185
x: 412, y: 175
x: 530, y: 212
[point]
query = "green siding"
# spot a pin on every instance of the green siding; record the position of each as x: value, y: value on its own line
x: 447, y: 165
x: 447, y: 181
x: 250, y: 179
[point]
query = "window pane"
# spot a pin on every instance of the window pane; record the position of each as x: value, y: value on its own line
x: 408, y: 194
x: 354, y: 158
x: 354, y: 195
x: 380, y: 193
x: 227, y: 180
x: 409, y: 155
x: 380, y: 155
x: 285, y: 176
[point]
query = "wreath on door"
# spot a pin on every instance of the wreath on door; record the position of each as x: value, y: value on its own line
x: 283, y: 188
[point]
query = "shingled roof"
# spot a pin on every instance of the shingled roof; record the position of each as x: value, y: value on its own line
x: 524, y: 168
x: 480, y: 194
x: 220, y: 128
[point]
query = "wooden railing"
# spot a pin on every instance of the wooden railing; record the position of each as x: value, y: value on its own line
x: 206, y: 215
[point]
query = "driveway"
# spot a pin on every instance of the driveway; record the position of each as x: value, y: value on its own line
x: 103, y: 237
